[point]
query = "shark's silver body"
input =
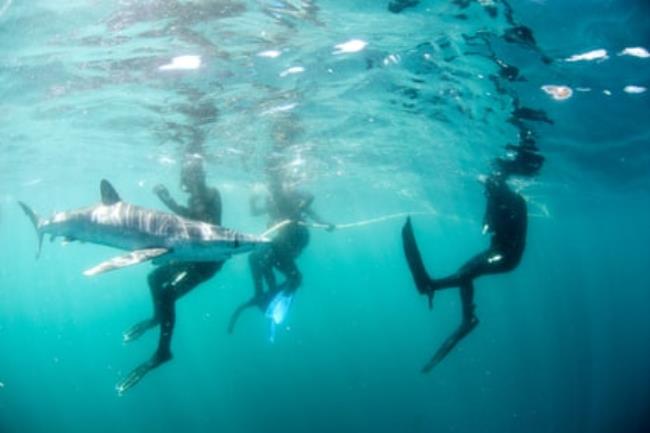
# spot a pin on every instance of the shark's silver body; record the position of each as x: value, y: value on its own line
x: 129, y: 227
x: 146, y: 233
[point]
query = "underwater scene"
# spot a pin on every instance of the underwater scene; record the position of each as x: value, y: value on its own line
x: 291, y: 216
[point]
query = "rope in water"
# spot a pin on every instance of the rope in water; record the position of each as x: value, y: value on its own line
x: 278, y: 226
x: 370, y: 221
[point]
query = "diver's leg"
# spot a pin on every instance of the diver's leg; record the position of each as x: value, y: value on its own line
x: 261, y: 269
x: 158, y: 281
x: 185, y: 278
x: 473, y: 268
x: 490, y: 261
x: 293, y: 277
x: 188, y: 277
x: 191, y: 275
x: 166, y: 315
x: 271, y: 281
x: 469, y: 323
x: 257, y: 261
x: 467, y: 301
x: 167, y: 322
x: 240, y: 309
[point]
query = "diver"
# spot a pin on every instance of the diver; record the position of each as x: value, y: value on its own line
x: 169, y: 282
x: 506, y: 219
x: 288, y: 208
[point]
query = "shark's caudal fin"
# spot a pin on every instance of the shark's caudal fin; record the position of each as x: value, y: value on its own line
x: 38, y: 223
x: 109, y: 195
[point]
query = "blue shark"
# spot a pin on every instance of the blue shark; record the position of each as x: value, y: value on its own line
x: 147, y: 234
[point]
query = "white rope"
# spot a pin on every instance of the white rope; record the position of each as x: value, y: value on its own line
x: 368, y: 221
x: 275, y: 228
x: 278, y: 226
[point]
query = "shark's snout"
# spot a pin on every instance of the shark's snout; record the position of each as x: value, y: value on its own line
x: 257, y: 241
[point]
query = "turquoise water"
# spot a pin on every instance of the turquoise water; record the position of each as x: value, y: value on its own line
x: 382, y: 114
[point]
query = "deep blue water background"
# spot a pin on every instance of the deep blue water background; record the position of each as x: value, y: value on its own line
x: 563, y: 344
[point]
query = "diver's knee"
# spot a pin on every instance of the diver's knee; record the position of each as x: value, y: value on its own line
x: 152, y: 280
x: 470, y: 323
x: 296, y: 280
x: 156, y: 286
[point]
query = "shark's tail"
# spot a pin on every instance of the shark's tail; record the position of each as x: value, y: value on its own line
x: 38, y: 224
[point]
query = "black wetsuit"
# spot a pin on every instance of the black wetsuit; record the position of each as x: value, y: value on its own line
x: 287, y: 245
x: 169, y: 282
x: 281, y: 254
x: 506, y: 218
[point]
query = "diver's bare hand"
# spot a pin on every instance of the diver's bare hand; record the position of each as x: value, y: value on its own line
x: 331, y: 227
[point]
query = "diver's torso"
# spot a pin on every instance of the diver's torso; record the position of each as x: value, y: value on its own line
x: 508, y: 221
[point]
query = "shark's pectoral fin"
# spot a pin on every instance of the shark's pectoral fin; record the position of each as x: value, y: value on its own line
x: 66, y: 240
x: 132, y: 258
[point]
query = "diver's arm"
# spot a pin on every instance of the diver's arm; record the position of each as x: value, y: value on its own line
x: 304, y: 203
x: 164, y: 196
x: 493, y: 213
x: 317, y: 219
x: 488, y: 218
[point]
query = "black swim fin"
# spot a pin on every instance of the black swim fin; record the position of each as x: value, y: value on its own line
x: 414, y: 259
x: 463, y: 330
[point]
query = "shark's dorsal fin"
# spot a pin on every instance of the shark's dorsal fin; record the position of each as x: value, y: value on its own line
x: 109, y: 195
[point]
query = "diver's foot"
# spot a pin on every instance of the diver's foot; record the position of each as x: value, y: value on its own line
x: 262, y: 301
x: 136, y: 331
x: 429, y: 290
x: 471, y: 324
x: 430, y: 299
x: 140, y: 371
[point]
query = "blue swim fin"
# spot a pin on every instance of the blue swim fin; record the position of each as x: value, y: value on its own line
x: 277, y: 311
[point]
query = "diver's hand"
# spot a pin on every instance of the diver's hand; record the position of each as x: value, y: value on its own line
x: 331, y: 227
x: 161, y: 191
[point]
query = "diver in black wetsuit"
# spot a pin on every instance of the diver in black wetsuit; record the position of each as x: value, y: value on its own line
x: 506, y: 219
x: 169, y: 282
x: 284, y: 203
